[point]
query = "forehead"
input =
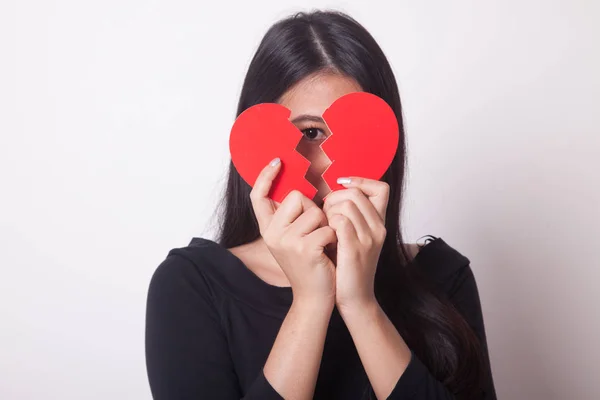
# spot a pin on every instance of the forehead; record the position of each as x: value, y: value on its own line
x: 315, y: 93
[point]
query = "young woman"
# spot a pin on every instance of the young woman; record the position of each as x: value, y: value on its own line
x: 316, y: 298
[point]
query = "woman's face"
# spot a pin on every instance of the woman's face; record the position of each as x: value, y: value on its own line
x: 308, y: 100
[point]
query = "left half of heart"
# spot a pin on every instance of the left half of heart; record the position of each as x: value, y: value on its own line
x: 260, y: 134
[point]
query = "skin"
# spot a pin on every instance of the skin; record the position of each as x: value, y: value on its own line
x: 292, y: 252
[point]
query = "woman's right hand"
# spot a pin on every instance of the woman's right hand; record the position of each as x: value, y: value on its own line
x: 296, y: 233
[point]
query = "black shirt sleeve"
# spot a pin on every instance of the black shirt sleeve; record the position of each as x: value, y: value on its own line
x: 417, y: 383
x: 464, y: 294
x: 186, y: 350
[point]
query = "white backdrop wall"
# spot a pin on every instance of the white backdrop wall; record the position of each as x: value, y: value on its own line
x: 114, y: 121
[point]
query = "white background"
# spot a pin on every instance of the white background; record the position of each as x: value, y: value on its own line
x: 114, y: 122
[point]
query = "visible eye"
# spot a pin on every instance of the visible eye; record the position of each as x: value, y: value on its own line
x: 314, y: 134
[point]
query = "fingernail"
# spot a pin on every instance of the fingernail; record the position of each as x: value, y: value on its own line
x: 275, y: 162
x: 344, y: 181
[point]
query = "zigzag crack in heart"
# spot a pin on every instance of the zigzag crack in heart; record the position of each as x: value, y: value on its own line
x: 314, y: 177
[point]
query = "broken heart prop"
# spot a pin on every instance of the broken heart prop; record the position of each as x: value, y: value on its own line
x: 363, y: 141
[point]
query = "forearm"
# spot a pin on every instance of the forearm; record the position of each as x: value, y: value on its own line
x: 293, y: 364
x: 383, y: 353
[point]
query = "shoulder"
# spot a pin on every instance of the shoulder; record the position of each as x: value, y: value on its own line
x: 449, y: 271
x: 442, y: 264
x: 189, y: 268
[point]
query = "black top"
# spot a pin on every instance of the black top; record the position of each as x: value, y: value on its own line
x: 211, y: 323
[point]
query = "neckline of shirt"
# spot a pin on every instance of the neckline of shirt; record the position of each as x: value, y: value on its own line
x: 249, y: 288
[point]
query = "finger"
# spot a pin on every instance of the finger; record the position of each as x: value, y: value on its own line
x: 348, y: 209
x: 308, y: 221
x: 377, y: 192
x: 344, y: 230
x: 292, y: 206
x: 264, y: 207
x: 366, y: 207
x: 323, y: 236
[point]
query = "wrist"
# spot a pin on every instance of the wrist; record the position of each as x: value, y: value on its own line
x: 366, y: 309
x: 314, y: 304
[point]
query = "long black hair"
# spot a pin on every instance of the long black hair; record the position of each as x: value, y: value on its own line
x: 331, y: 41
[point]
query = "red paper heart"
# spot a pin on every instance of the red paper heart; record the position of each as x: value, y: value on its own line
x: 363, y: 142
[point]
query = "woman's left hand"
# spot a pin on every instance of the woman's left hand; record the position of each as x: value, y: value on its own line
x: 357, y: 215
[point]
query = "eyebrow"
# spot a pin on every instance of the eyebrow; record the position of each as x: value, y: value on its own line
x: 307, y: 117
